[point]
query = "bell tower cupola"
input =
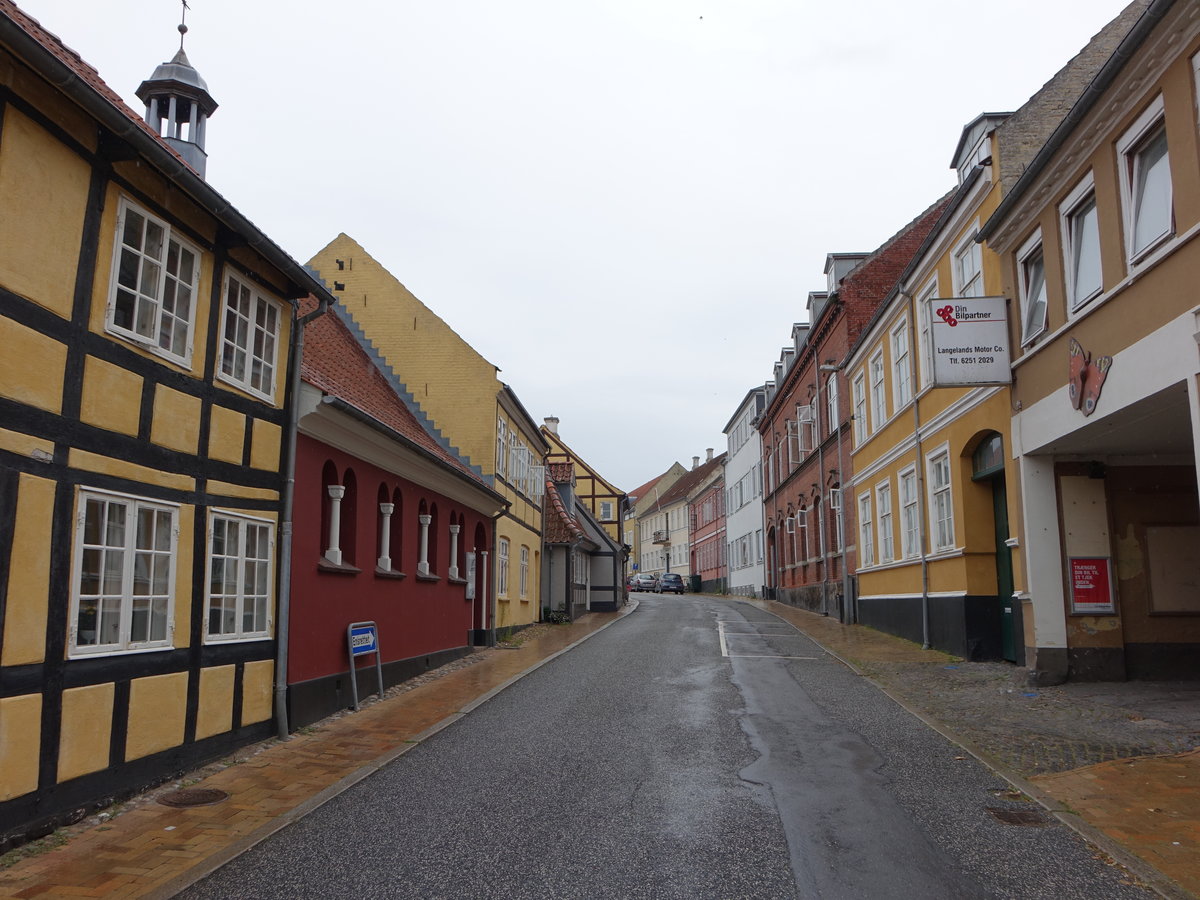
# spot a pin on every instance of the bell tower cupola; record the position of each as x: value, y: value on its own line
x: 178, y: 105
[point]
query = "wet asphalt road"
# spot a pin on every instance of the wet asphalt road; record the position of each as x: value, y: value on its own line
x: 697, y: 748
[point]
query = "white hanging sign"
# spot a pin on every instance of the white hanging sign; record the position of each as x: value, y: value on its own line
x: 969, y: 337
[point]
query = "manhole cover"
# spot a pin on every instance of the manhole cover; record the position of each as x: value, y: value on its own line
x: 193, y: 797
x: 1017, y: 816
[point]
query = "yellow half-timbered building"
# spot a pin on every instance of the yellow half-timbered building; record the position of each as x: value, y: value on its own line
x: 144, y: 334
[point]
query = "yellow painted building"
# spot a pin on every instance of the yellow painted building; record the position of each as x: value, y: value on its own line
x: 143, y: 390
x: 1097, y: 241
x: 929, y: 488
x: 937, y: 499
x: 457, y: 393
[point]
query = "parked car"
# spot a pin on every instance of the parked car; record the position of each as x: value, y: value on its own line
x: 644, y: 581
x: 669, y: 583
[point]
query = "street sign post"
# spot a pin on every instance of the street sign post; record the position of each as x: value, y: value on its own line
x: 362, y: 639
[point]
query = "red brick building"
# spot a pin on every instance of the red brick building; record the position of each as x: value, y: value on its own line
x: 706, y: 518
x: 805, y: 428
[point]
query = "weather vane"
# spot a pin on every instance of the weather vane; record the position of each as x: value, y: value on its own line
x: 183, y: 22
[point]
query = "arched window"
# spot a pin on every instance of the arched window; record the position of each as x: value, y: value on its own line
x: 349, y: 518
x: 433, y: 539
x: 396, y: 543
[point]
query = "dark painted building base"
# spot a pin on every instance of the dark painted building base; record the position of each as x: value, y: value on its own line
x: 963, y: 626
x: 714, y: 586
x: 311, y: 701
x: 1132, y: 662
x: 825, y: 599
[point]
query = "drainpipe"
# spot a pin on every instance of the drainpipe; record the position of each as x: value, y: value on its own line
x: 821, y: 510
x: 924, y: 527
x: 283, y: 621
x: 848, y: 613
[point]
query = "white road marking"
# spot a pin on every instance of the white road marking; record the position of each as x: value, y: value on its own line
x: 721, y: 633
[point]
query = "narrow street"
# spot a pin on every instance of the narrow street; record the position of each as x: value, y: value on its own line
x: 696, y: 748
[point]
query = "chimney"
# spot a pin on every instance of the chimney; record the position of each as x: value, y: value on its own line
x: 551, y: 424
x: 695, y: 461
x: 709, y: 451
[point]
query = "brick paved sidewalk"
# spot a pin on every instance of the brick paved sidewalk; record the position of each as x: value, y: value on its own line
x: 1117, y: 762
x: 156, y: 851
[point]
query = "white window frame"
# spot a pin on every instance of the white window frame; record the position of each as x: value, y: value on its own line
x: 831, y: 401
x: 968, y: 283
x: 128, y: 563
x: 258, y: 301
x: 1129, y: 147
x: 606, y: 510
x: 244, y: 521
x: 910, y: 513
x: 901, y: 343
x: 866, y: 531
x: 926, y: 294
x: 940, y: 499
x: 524, y: 581
x: 501, y: 448
x: 878, y: 390
x: 883, y: 519
x: 1080, y: 196
x: 502, y: 567
x: 152, y: 341
x: 802, y: 528
x: 1031, y: 248
x: 859, y: 387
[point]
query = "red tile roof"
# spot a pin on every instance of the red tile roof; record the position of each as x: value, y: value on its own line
x: 559, y: 527
x: 336, y: 363
x: 86, y: 72
x: 688, y: 482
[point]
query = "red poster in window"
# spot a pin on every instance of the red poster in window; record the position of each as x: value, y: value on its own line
x: 1091, y: 585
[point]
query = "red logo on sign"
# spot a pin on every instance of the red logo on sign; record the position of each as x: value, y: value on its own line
x: 946, y: 313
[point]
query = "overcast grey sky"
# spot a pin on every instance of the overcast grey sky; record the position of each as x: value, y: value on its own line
x: 623, y: 204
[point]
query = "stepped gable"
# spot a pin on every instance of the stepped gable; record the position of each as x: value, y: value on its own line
x: 560, y: 526
x: 335, y: 362
x: 872, y: 280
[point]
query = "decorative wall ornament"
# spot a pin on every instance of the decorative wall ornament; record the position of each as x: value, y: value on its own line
x: 1086, y: 378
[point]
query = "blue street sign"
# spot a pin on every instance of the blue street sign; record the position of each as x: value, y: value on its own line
x: 363, y: 640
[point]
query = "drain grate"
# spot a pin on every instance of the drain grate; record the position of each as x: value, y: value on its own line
x: 193, y: 797
x: 1018, y: 816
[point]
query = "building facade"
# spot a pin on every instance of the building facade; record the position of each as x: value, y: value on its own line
x: 805, y: 429
x: 469, y: 411
x: 1096, y: 241
x: 144, y: 391
x: 706, y: 515
x: 743, y: 497
x: 391, y: 529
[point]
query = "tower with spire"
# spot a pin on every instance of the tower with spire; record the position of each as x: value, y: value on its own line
x: 178, y: 104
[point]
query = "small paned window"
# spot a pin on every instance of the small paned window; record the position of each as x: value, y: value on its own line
x: 251, y: 336
x: 942, y: 506
x: 860, y: 409
x: 866, y: 531
x: 125, y: 552
x: 968, y: 268
x: 910, y: 516
x: 524, y: 572
x: 883, y: 503
x: 239, y: 577
x: 155, y: 278
x: 878, y: 393
x: 502, y: 568
x: 901, y: 365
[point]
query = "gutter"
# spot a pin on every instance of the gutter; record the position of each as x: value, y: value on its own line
x: 1141, y: 29
x: 283, y: 620
x: 149, y: 146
